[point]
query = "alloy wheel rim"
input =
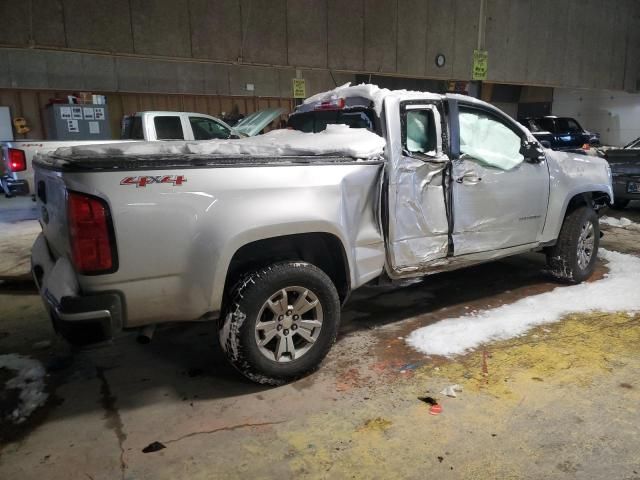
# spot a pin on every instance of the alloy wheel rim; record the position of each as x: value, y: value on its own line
x: 289, y: 324
x: 586, y: 242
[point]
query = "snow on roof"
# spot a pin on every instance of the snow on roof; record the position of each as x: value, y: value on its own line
x: 365, y: 90
x: 336, y: 140
x: 614, y: 293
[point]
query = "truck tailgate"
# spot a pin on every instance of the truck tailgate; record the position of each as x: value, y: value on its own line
x: 51, y: 194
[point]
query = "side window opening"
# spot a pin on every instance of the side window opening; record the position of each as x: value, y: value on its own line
x: 420, y: 133
x: 207, y: 129
x: 488, y: 140
x: 168, y: 128
x: 568, y: 125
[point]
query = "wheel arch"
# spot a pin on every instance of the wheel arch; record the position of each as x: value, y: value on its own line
x: 324, y: 250
x: 593, y: 196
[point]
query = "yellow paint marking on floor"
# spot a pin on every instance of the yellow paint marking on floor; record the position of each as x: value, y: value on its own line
x: 571, y: 351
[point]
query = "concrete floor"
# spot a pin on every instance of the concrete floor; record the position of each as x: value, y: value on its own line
x: 561, y: 402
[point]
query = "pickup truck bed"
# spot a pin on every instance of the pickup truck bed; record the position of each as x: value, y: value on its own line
x: 140, y: 127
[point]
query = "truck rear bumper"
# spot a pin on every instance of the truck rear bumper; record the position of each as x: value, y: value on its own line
x: 81, y: 319
x: 11, y: 186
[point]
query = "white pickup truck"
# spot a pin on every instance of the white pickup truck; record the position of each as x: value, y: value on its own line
x: 16, y: 173
x: 267, y: 236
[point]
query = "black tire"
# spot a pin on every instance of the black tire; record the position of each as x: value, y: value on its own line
x: 237, y: 329
x: 562, y: 258
x: 620, y: 204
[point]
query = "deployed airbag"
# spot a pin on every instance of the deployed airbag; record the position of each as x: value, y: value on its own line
x: 489, y: 142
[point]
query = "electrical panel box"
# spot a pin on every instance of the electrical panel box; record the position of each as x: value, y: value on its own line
x: 77, y: 122
x: 6, y: 132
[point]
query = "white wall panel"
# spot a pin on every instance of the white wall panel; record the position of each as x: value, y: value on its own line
x: 615, y: 115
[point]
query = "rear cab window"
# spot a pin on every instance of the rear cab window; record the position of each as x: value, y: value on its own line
x: 317, y: 120
x: 419, y: 133
x: 168, y: 128
x: 132, y: 128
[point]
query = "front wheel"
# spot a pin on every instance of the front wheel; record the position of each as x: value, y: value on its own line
x: 281, y: 322
x: 573, y: 258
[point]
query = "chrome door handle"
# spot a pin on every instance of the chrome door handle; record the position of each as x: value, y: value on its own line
x: 469, y: 178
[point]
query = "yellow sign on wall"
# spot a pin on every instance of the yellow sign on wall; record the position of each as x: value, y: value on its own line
x: 480, y: 65
x: 299, y: 88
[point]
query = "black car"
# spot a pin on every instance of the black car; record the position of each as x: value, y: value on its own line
x: 560, y: 133
x: 625, y: 169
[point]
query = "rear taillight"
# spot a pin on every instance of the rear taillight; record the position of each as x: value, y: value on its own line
x: 17, y: 160
x: 90, y: 229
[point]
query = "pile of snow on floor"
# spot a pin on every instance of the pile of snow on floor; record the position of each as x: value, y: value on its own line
x: 620, y: 222
x: 618, y: 291
x: 29, y: 380
x: 336, y: 140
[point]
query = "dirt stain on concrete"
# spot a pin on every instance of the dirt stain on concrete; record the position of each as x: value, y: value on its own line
x: 113, y: 420
x: 572, y: 351
x: 379, y: 424
x: 523, y: 374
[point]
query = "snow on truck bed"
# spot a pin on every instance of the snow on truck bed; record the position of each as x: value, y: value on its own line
x: 336, y: 140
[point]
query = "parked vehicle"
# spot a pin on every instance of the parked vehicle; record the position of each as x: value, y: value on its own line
x: 268, y: 236
x: 561, y: 133
x: 625, y: 169
x: 16, y: 174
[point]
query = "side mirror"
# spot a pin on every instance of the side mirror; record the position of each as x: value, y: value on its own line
x: 531, y: 151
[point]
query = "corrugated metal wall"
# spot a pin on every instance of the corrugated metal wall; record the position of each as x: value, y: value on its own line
x: 577, y: 43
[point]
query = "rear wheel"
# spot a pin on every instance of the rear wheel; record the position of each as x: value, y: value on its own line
x: 573, y: 258
x: 281, y: 322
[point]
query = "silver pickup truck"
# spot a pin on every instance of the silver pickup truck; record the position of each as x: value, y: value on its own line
x: 267, y: 236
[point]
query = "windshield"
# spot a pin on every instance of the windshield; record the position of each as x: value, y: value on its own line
x: 258, y: 121
x: 317, y: 121
x: 634, y: 144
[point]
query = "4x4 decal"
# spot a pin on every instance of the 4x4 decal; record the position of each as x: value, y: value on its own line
x: 143, y: 181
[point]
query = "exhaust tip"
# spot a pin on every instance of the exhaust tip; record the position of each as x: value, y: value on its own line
x: 146, y: 334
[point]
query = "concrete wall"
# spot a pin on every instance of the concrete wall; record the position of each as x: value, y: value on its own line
x: 615, y: 115
x: 65, y: 70
x: 577, y: 43
x: 209, y: 46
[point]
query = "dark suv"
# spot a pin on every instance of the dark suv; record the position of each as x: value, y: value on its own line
x: 561, y: 133
x: 625, y: 169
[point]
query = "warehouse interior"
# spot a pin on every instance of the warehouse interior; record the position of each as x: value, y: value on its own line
x: 319, y: 239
